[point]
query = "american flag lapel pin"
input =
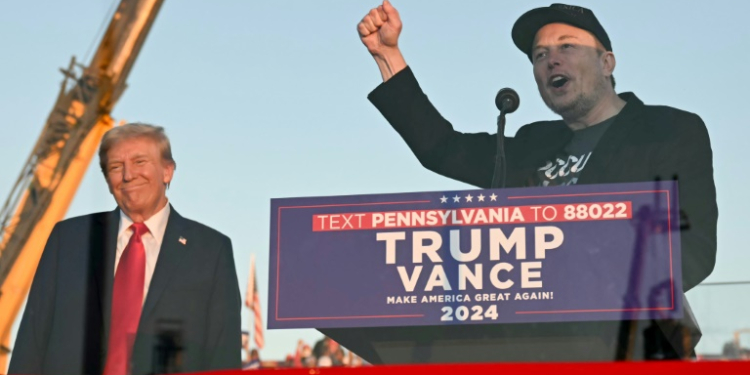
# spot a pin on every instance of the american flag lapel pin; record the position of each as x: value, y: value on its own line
x: 182, y: 240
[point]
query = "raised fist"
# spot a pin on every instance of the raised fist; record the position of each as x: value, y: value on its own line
x: 380, y: 28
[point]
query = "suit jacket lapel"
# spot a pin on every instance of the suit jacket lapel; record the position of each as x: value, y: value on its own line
x: 171, y: 255
x: 105, y: 263
x: 598, y: 168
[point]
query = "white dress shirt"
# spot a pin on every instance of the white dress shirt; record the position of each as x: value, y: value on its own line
x: 152, y: 240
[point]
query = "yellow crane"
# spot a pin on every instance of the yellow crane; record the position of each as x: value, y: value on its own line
x: 58, y: 161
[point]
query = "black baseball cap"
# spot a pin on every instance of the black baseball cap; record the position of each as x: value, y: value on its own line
x: 525, y: 29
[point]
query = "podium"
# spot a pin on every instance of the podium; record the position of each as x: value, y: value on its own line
x: 583, y: 273
x: 535, y: 342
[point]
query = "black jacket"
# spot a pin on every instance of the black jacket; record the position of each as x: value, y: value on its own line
x: 645, y: 143
x: 193, y: 301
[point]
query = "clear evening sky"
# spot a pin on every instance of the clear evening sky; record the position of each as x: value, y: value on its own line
x: 267, y: 99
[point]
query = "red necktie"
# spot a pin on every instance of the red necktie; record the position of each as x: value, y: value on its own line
x: 127, y: 300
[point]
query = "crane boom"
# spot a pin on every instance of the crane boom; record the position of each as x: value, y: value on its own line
x: 57, y: 163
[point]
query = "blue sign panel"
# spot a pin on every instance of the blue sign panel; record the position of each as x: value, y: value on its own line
x: 575, y: 253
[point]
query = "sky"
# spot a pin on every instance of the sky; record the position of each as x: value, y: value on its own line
x: 267, y: 99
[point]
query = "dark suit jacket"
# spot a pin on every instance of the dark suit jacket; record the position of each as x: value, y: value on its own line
x: 192, y: 307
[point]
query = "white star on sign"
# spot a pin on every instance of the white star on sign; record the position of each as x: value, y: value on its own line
x: 481, y: 198
x: 469, y: 198
x: 456, y: 199
x: 443, y: 199
x: 493, y: 197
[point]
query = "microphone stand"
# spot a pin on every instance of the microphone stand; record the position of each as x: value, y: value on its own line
x: 498, y: 177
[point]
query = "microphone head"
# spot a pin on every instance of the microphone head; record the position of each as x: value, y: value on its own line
x: 507, y: 100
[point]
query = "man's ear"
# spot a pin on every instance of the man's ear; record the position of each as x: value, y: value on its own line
x: 106, y: 179
x: 608, y: 62
x: 168, y: 173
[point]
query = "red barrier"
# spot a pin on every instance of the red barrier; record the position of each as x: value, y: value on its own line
x: 609, y: 368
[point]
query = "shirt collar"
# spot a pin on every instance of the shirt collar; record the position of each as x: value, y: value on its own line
x: 156, y: 224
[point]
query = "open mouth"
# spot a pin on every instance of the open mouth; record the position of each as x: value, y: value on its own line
x: 558, y: 81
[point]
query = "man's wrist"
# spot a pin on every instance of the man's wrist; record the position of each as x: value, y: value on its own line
x: 390, y: 62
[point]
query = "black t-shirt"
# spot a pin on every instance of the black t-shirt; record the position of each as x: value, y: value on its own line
x: 569, y: 163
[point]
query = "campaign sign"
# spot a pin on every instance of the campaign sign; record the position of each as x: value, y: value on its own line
x: 573, y: 253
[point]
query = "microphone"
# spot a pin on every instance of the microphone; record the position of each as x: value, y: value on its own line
x: 507, y: 100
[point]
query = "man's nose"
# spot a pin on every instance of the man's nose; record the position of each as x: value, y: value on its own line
x: 553, y: 59
x: 127, y: 173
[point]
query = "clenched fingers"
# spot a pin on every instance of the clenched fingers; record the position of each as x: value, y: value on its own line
x: 369, y: 24
x: 377, y: 15
x: 362, y: 29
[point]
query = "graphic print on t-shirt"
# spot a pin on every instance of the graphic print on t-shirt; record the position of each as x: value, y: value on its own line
x: 563, y: 171
x: 573, y: 158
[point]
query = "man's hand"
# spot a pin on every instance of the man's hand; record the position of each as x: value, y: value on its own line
x: 380, y: 28
x: 379, y: 31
